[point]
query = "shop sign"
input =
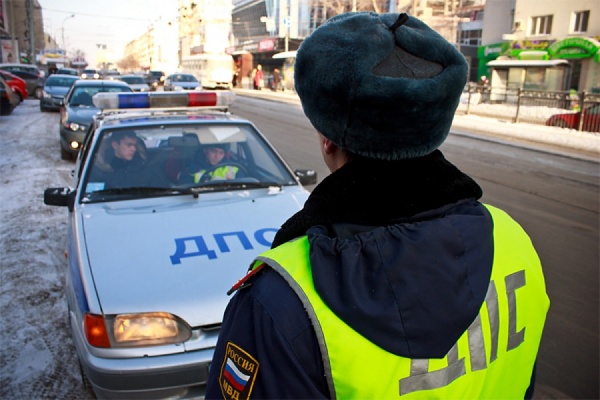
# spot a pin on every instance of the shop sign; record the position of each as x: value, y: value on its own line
x: 267, y: 45
x: 576, y: 47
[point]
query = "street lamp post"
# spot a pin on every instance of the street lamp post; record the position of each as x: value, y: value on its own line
x: 63, y: 32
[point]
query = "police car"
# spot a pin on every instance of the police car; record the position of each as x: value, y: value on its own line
x: 150, y: 259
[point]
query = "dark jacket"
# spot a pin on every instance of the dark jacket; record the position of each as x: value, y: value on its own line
x: 367, y: 219
x: 118, y: 173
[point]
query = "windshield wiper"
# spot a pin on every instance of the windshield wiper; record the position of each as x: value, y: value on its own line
x: 143, y: 190
x: 195, y: 191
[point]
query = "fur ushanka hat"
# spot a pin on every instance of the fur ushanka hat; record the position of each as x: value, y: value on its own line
x: 382, y: 86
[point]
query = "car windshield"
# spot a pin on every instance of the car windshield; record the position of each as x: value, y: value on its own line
x: 184, y: 78
x: 133, y: 79
x: 165, y: 160
x: 82, y: 96
x: 67, y: 71
x: 59, y: 81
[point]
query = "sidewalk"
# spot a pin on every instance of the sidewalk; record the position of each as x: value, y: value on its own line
x: 586, y: 142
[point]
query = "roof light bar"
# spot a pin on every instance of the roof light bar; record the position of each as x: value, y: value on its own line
x: 148, y: 100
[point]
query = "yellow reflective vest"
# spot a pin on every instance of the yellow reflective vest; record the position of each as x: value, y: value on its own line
x: 493, y: 359
x: 223, y: 172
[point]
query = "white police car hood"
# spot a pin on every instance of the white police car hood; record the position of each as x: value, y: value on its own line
x: 180, y: 255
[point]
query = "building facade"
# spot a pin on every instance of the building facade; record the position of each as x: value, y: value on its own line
x: 21, y: 31
x: 547, y: 45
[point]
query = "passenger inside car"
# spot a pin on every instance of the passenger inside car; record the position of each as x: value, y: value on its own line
x: 121, y: 163
x: 211, y: 162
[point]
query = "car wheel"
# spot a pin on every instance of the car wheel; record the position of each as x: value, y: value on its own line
x: 38, y: 92
x: 65, y: 155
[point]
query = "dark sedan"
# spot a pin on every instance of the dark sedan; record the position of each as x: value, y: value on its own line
x: 77, y: 112
x: 55, y: 89
x: 8, y: 99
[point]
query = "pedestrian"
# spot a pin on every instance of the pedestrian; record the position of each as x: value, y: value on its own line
x: 258, y: 78
x: 394, y: 280
x: 236, y: 73
x: 276, y: 79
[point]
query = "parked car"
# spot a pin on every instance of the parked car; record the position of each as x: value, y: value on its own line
x: 67, y: 71
x: 32, y: 69
x: 149, y: 267
x: 16, y: 84
x: 77, y: 111
x: 137, y: 82
x: 8, y: 99
x: 90, y: 73
x: 181, y: 82
x: 55, y: 89
x: 591, y: 119
x: 35, y: 84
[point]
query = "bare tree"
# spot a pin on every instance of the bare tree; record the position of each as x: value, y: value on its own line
x: 129, y: 63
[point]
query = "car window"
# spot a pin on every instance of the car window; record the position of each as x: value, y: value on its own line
x: 82, y: 95
x: 133, y: 79
x: 165, y: 154
x: 184, y: 78
x: 59, y: 81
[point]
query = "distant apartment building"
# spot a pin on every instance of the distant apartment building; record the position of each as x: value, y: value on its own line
x: 542, y: 44
x: 21, y: 31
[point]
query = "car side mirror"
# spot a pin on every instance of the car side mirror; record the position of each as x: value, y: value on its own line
x: 306, y: 176
x: 60, y: 196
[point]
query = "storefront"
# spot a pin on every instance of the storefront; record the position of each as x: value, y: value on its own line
x: 531, y: 60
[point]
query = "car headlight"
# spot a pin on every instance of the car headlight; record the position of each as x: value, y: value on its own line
x: 135, y: 330
x: 83, y: 76
x: 74, y: 126
x: 177, y: 88
x: 96, y: 76
x: 46, y: 95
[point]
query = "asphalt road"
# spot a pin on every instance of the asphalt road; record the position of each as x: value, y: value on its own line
x: 555, y: 197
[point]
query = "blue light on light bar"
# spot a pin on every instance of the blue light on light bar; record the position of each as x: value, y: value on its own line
x: 165, y: 100
x: 133, y: 100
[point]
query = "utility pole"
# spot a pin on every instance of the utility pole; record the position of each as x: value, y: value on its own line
x: 31, y: 29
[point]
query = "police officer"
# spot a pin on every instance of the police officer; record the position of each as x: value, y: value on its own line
x: 208, y: 165
x: 394, y: 280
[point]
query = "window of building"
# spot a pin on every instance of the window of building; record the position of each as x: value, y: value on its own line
x: 580, y: 21
x: 541, y: 25
x: 471, y: 37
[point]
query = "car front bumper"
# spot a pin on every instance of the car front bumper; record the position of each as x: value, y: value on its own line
x: 176, y: 376
x: 68, y: 136
x: 52, y: 103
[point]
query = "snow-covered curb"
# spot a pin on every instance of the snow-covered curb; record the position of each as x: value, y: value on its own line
x: 570, y: 138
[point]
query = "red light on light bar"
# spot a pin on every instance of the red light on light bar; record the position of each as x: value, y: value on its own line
x: 202, y: 99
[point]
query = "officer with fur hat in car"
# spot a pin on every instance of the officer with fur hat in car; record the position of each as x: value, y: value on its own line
x: 209, y: 164
x: 394, y: 280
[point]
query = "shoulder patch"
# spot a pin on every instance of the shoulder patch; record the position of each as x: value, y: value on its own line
x: 238, y: 373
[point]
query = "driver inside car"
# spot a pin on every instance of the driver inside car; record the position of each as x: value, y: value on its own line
x: 208, y: 165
